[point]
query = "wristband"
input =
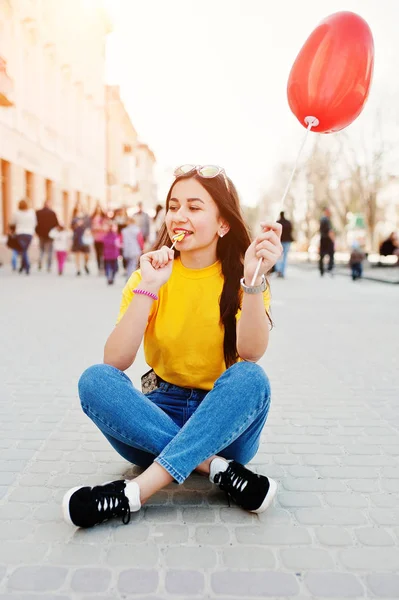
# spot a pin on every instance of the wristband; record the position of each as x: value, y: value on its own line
x: 256, y: 289
x: 145, y: 293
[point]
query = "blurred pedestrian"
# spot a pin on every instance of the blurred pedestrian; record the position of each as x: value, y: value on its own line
x: 98, y: 220
x: 356, y: 261
x: 112, y: 246
x: 62, y: 239
x: 80, y: 223
x: 46, y: 221
x: 132, y: 244
x: 25, y: 223
x: 143, y: 221
x: 12, y: 243
x: 120, y: 218
x: 327, y: 238
x: 286, y: 240
x: 390, y: 246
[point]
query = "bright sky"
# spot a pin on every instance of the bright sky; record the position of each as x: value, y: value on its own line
x: 205, y: 82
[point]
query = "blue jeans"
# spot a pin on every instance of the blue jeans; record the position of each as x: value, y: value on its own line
x: 111, y: 268
x: 14, y: 260
x: 282, y: 262
x: 46, y: 246
x: 24, y: 241
x: 357, y: 270
x: 179, y: 427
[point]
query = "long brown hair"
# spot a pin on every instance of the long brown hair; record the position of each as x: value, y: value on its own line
x: 98, y: 207
x: 230, y: 251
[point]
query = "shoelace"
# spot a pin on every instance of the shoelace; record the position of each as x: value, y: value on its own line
x: 112, y: 502
x: 231, y: 481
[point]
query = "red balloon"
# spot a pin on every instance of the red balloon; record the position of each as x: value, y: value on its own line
x: 331, y: 76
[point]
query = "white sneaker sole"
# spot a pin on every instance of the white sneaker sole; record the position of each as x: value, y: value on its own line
x: 269, y: 497
x: 65, y: 504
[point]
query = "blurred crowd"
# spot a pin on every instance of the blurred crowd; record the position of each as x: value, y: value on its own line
x: 326, y: 248
x: 117, y: 238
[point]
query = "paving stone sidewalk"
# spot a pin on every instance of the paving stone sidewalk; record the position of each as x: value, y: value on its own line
x: 331, y: 442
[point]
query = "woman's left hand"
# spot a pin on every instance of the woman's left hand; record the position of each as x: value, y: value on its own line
x: 266, y: 245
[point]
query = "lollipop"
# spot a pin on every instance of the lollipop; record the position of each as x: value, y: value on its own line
x: 178, y: 238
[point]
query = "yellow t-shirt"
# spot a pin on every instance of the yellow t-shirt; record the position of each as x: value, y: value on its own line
x: 183, y: 340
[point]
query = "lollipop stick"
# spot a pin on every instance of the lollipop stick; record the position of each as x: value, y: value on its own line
x: 310, y: 121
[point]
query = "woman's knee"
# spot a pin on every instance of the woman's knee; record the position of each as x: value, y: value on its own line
x: 94, y: 380
x: 252, y: 376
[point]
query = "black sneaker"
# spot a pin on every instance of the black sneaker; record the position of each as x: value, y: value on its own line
x: 88, y: 506
x: 249, y: 490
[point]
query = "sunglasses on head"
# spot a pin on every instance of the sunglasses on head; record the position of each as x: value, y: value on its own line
x: 205, y: 171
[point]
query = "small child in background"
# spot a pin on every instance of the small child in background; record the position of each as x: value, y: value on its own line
x: 112, y: 245
x: 12, y: 243
x: 62, y: 238
x: 133, y: 243
x: 355, y: 261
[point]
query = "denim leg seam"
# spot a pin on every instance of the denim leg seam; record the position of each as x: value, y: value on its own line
x: 240, y: 430
x: 175, y: 474
x: 243, y: 427
x: 126, y: 439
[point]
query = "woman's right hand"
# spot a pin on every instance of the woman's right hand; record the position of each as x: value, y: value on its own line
x: 156, y: 267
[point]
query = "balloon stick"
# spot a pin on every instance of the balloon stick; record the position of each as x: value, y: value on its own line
x: 311, y: 122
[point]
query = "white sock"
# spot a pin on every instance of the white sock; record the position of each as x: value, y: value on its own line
x: 132, y: 493
x: 218, y: 465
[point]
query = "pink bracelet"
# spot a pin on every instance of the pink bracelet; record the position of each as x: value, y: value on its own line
x: 145, y: 293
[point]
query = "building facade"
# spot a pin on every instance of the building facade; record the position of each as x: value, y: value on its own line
x: 121, y: 140
x: 146, y: 188
x: 52, y: 104
x: 130, y: 163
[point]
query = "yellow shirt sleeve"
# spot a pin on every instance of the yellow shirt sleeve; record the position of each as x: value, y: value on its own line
x: 266, y: 302
x: 127, y: 293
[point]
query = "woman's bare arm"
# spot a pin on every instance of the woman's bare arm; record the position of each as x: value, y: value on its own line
x: 252, y: 328
x: 122, y: 345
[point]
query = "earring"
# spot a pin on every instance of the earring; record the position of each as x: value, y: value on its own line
x: 221, y: 235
